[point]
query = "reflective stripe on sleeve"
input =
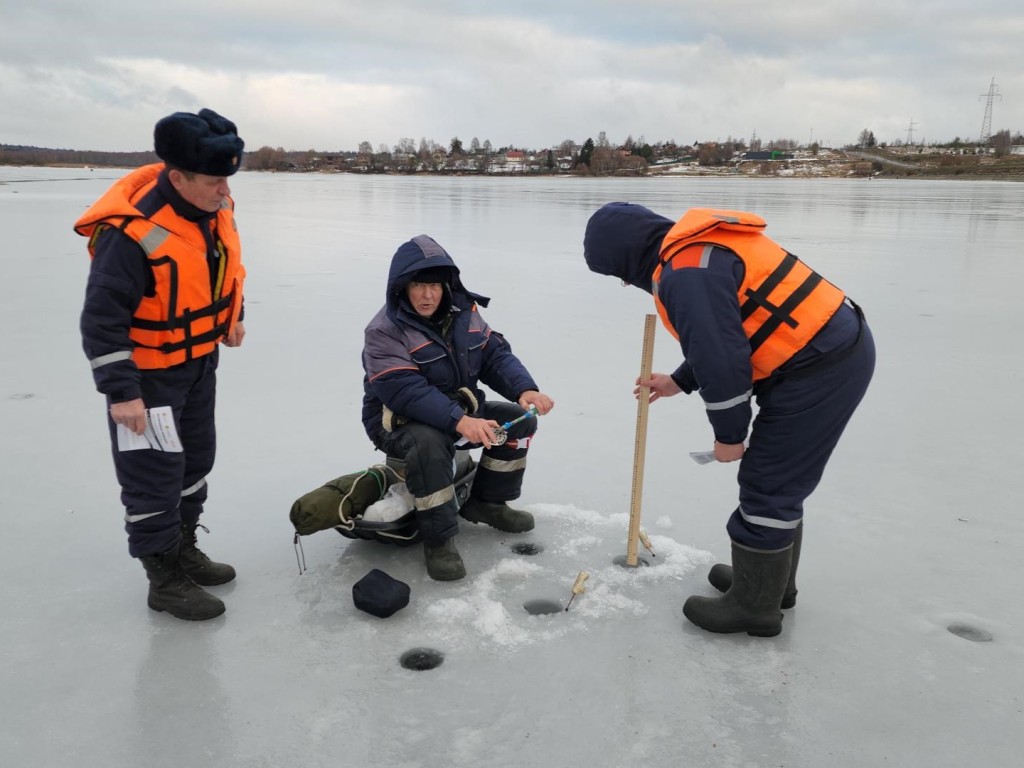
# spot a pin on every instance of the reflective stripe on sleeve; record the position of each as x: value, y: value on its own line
x: 726, y: 404
x: 113, y: 357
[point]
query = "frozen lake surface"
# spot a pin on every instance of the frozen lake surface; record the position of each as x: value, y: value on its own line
x: 905, y: 648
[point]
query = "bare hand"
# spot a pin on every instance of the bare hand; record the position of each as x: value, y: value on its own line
x: 538, y: 400
x: 235, y: 335
x: 729, y: 451
x: 660, y: 384
x: 477, y: 431
x: 131, y: 413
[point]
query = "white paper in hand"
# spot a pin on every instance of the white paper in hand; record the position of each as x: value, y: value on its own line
x: 160, y: 434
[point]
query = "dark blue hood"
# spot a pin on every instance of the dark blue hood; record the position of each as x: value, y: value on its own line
x: 623, y: 240
x: 423, y: 252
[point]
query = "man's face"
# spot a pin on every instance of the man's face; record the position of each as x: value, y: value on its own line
x: 425, y: 298
x: 206, y: 193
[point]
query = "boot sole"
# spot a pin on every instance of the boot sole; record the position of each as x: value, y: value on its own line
x: 495, y: 527
x: 732, y: 629
x: 753, y: 632
x: 204, y: 582
x: 188, y: 616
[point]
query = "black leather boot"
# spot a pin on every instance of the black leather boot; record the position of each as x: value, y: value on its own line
x: 171, y: 590
x: 500, y: 515
x: 201, y: 569
x: 720, y: 575
x: 752, y: 603
x: 444, y: 563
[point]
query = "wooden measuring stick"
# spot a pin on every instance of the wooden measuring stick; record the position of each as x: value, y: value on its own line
x: 642, y: 405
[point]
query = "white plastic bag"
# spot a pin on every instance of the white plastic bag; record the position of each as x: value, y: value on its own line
x: 396, y: 502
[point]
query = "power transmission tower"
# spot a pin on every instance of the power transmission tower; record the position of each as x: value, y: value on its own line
x: 910, y: 132
x: 986, y: 123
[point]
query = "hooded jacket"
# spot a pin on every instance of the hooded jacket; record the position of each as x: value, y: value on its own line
x: 415, y: 365
x: 701, y: 305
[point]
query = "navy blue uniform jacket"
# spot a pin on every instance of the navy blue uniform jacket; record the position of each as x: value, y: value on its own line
x: 414, y: 369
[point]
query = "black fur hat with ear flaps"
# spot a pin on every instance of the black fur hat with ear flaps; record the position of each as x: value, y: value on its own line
x: 205, y: 143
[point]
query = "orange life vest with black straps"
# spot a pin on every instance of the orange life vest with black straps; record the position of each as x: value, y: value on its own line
x: 783, y: 302
x: 190, y: 312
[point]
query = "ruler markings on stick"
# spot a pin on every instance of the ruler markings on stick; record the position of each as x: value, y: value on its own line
x: 639, y: 448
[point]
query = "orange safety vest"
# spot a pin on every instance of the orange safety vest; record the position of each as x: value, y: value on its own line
x: 187, y: 317
x: 783, y: 302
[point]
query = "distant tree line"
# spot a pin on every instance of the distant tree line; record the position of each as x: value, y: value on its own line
x: 999, y: 143
x: 21, y: 155
x: 598, y: 157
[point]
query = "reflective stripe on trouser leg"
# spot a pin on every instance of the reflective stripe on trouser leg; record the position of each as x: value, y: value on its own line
x: 499, y: 475
x: 152, y: 481
x: 799, y: 423
x: 428, y: 454
x: 192, y: 499
x: 199, y: 439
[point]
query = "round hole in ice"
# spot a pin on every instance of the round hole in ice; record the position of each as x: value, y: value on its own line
x: 421, y: 659
x: 621, y: 560
x: 967, y: 632
x: 542, y: 607
x: 527, y: 548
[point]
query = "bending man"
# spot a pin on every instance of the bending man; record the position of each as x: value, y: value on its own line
x: 752, y: 321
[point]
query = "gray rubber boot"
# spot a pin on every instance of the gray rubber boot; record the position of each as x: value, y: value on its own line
x: 500, y: 516
x: 752, y: 603
x: 444, y: 563
x: 200, y: 568
x: 720, y: 575
x: 171, y: 590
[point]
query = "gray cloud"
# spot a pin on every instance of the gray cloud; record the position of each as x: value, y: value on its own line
x: 321, y: 75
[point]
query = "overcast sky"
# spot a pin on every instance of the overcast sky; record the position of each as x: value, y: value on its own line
x: 329, y: 74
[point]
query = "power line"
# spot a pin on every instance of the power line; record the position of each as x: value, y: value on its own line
x: 986, y: 123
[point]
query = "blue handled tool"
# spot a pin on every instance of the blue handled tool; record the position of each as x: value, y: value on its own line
x: 501, y: 433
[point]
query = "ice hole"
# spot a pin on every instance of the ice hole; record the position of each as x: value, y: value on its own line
x: 527, y: 548
x: 967, y: 632
x: 421, y: 659
x: 542, y: 607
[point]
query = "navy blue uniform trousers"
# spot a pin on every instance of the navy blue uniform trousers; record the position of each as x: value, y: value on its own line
x: 160, y: 490
x: 800, y: 419
x: 429, y: 456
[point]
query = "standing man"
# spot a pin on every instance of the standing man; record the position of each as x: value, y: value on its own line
x: 164, y: 290
x: 425, y: 354
x: 752, y: 321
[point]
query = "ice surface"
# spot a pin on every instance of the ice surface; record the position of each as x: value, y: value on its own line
x: 905, y: 646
